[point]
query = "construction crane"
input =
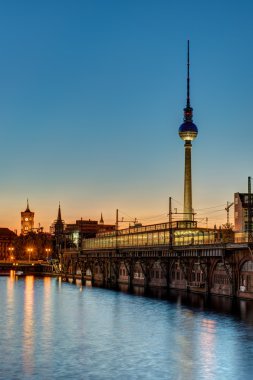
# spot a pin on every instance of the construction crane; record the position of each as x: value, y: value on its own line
x: 229, y: 204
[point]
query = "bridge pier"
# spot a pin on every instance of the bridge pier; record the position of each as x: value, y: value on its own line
x: 104, y: 281
x: 146, y: 283
x: 130, y: 283
x: 208, y: 279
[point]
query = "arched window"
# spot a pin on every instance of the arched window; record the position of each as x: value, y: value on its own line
x: 220, y: 276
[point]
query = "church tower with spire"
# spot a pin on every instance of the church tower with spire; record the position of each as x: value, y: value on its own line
x: 101, y: 219
x: 58, y: 231
x: 27, y: 220
x: 59, y: 223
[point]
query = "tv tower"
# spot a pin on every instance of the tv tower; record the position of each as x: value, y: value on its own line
x: 188, y: 131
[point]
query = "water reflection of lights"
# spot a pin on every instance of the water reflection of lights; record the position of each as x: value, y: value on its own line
x: 207, y: 347
x: 47, y: 311
x: 183, y: 353
x: 28, y: 327
x: 12, y: 276
x: 10, y: 304
x: 47, y: 303
x: 79, y: 284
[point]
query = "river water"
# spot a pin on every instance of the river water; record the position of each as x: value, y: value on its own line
x: 54, y: 330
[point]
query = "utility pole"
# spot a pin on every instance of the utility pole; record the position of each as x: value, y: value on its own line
x: 249, y: 211
x: 121, y: 221
x: 116, y: 228
x: 170, y: 224
x: 117, y: 220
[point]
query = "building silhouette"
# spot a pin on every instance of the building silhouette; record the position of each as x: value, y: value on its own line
x: 7, y: 238
x: 243, y: 214
x: 85, y: 229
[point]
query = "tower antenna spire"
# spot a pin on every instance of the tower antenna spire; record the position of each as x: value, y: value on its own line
x: 188, y: 75
x: 188, y: 109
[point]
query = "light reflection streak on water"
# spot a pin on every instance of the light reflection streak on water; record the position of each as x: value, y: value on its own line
x: 47, y: 312
x: 28, y: 326
x: 47, y: 305
x: 10, y: 304
x: 207, y: 347
x: 59, y: 282
x: 184, y: 344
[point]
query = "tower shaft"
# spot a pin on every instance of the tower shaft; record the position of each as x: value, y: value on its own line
x: 187, y: 182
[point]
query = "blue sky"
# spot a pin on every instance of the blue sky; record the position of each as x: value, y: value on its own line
x: 92, y: 95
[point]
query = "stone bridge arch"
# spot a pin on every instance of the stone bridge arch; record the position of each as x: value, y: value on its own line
x: 246, y: 276
x: 178, y: 275
x: 221, y: 278
x: 197, y: 277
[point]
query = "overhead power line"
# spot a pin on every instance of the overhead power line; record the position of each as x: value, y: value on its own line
x: 208, y: 208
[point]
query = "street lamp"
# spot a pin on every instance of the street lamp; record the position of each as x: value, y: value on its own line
x: 11, y: 249
x: 29, y: 250
x: 48, y: 250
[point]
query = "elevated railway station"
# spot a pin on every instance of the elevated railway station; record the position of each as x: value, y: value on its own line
x: 191, y: 259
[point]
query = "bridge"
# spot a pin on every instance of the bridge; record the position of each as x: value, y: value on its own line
x: 32, y: 267
x: 215, y: 268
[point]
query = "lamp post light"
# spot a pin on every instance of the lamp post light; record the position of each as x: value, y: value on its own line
x: 48, y: 250
x: 11, y: 249
x: 29, y: 250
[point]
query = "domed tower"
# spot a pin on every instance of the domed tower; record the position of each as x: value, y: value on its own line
x: 188, y: 131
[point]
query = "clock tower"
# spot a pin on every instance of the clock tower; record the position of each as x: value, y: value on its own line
x: 27, y: 220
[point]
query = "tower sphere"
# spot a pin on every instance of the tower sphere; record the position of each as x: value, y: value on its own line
x: 188, y: 131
